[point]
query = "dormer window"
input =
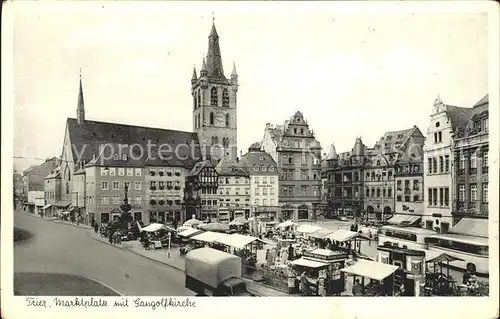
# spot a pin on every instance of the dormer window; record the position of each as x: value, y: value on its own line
x: 256, y: 168
x: 124, y: 157
x: 115, y: 157
x: 261, y: 158
x: 437, y: 124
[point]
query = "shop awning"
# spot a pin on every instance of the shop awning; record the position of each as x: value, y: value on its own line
x: 284, y: 224
x: 323, y: 252
x: 155, y: 227
x: 47, y: 206
x: 308, y: 229
x: 308, y: 263
x: 63, y: 203
x: 209, y: 236
x: 370, y: 269
x: 471, y: 227
x: 190, y: 232
x: 321, y: 233
x: 404, y: 220
x: 342, y: 235
x: 237, y: 240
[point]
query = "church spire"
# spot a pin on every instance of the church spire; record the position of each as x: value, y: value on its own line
x: 194, y: 77
x: 80, y: 110
x: 214, y: 58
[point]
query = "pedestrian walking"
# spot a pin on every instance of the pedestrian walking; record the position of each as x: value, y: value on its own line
x: 96, y: 227
x: 111, y: 233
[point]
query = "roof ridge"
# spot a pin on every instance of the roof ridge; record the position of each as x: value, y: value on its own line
x: 135, y: 126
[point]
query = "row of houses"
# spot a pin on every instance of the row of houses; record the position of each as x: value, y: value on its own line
x: 432, y: 180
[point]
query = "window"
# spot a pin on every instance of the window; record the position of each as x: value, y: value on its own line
x: 116, y: 200
x: 407, y: 198
x: 257, y: 181
x: 399, y: 187
x: 441, y: 196
x: 389, y: 192
x: 214, y: 99
x: 373, y: 192
x: 473, y: 192
x: 447, y: 163
x: 124, y: 157
x: 264, y: 180
x: 137, y: 186
x: 367, y: 176
x: 115, y: 157
x: 415, y: 198
x: 400, y: 235
x: 227, y: 120
x: 256, y: 168
x: 434, y: 196
x: 256, y: 191
x: 398, y: 198
x: 473, y: 160
x: 446, y: 196
x: 264, y: 191
x: 304, y: 190
x: 407, y: 184
x: 264, y: 202
x: 138, y: 200
x: 384, y: 192
x: 461, y: 192
x: 434, y: 165
x: 415, y: 185
x: 271, y: 180
x: 112, y: 171
x: 225, y: 98
x: 121, y: 171
x: 272, y: 202
x: 126, y: 184
x: 367, y: 191
x: 104, y: 171
x: 290, y: 160
x: 116, y: 185
x: 211, y: 118
x: 104, y: 186
x: 429, y: 196
x: 429, y: 160
x: 130, y: 172
x: 304, y: 160
x: 462, y: 161
x: 378, y: 192
x: 440, y: 137
x: 137, y: 172
x: 485, y: 158
x: 441, y: 164
x: 104, y: 200
x: 485, y: 192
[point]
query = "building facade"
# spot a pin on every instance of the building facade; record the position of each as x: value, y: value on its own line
x: 164, y: 188
x: 438, y: 177
x: 295, y: 149
x: 264, y: 183
x: 52, y: 191
x: 36, y: 201
x: 234, y: 190
x: 200, y: 195
x: 33, y: 178
x: 343, y: 175
x: 394, y: 151
x: 471, y: 166
x: 215, y: 103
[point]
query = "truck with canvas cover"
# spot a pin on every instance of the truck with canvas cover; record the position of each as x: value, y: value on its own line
x: 211, y: 272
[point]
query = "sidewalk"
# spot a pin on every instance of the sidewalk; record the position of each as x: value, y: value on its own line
x: 56, y: 220
x: 176, y: 261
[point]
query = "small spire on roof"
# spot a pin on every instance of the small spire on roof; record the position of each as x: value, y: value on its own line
x: 204, y: 65
x: 234, y: 73
x: 195, y: 76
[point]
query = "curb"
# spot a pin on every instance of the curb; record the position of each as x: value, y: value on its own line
x: 54, y: 220
x: 107, y: 286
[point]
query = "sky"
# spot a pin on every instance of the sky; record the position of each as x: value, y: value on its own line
x: 351, y: 73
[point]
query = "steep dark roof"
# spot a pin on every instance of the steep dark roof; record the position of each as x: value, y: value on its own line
x: 229, y: 167
x: 198, y: 167
x: 483, y: 101
x: 261, y: 158
x: 459, y: 116
x: 87, y: 138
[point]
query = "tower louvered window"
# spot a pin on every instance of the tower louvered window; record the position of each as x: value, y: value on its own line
x: 195, y: 101
x: 211, y: 118
x: 227, y: 120
x: 225, y: 98
x: 199, y: 99
x: 214, y: 97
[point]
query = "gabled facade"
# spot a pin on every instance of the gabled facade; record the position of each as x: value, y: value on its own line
x: 295, y: 149
x: 444, y: 120
x: 215, y: 103
x: 200, y: 195
x: 264, y: 183
x: 234, y: 190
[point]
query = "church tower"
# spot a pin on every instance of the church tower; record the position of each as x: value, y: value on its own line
x: 80, y: 109
x: 215, y: 104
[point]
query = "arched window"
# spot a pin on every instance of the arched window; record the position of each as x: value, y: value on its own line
x: 227, y: 120
x: 199, y: 98
x: 195, y: 101
x: 225, y: 142
x: 214, y: 97
x: 225, y: 98
x: 216, y: 140
x: 211, y: 118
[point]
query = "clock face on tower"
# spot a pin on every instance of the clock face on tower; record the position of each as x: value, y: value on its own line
x: 220, y: 118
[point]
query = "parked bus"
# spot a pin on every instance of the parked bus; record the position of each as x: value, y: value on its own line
x: 404, y: 237
x: 473, y: 250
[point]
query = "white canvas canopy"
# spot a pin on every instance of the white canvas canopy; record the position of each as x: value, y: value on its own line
x: 308, y: 263
x: 237, y: 240
x: 209, y: 236
x: 192, y: 222
x: 307, y: 229
x: 342, y: 235
x: 284, y: 224
x: 190, y: 232
x: 155, y: 227
x: 370, y: 269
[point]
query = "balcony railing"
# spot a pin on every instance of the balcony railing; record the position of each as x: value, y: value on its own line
x: 485, y: 169
x: 470, y: 209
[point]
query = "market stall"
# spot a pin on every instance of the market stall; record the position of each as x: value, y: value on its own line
x: 214, y: 227
x: 305, y: 230
x: 157, y: 235
x: 381, y: 277
x: 345, y: 238
x: 436, y: 282
x: 192, y: 222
